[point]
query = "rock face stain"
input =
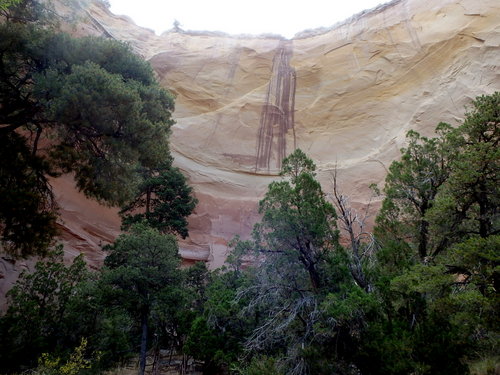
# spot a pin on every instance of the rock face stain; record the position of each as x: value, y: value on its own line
x: 360, y: 86
x: 277, y: 116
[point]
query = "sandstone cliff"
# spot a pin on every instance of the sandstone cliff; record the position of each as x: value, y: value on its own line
x: 346, y: 95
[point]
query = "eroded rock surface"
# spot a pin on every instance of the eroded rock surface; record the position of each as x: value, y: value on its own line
x: 346, y: 96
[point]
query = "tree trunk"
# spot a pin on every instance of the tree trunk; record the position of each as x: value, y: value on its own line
x: 423, y: 230
x: 184, y: 364
x: 314, y: 277
x: 305, y: 257
x: 37, y: 138
x: 156, y: 357
x: 422, y: 240
x: 484, y: 220
x: 144, y: 342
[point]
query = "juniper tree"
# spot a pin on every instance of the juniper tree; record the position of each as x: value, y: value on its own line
x: 411, y: 187
x: 292, y: 245
x: 468, y: 203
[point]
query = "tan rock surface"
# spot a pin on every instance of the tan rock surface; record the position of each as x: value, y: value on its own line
x: 346, y: 96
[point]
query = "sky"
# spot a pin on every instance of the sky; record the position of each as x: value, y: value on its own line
x: 284, y: 17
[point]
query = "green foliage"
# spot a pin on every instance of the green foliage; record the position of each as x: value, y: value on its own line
x: 206, y: 344
x: 477, y: 260
x: 296, y: 234
x: 298, y: 222
x: 261, y: 365
x: 27, y: 208
x: 97, y: 109
x: 309, y: 311
x: 486, y: 366
x: 5, y: 4
x: 140, y: 266
x: 164, y: 200
x: 142, y: 278
x: 350, y: 306
x: 473, y: 305
x: 440, y: 309
x: 141, y: 263
x: 75, y: 364
x: 410, y: 189
x: 114, y: 336
x: 39, y: 316
x: 217, y: 336
x: 33, y: 12
x: 467, y: 205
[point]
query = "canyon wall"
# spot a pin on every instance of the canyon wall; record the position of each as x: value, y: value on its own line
x: 345, y: 95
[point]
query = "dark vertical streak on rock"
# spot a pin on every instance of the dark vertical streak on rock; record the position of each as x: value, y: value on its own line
x: 277, y: 116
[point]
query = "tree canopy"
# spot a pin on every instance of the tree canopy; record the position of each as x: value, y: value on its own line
x: 164, y: 200
x: 5, y: 4
x: 87, y: 106
x: 411, y: 187
x: 141, y: 271
x: 297, y: 218
x: 468, y: 203
x: 40, y: 317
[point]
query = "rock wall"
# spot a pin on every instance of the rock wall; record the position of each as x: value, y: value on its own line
x: 345, y: 95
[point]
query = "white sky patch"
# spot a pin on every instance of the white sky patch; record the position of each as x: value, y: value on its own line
x: 284, y: 17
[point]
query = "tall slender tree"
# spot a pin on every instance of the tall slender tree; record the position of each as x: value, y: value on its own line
x: 141, y: 270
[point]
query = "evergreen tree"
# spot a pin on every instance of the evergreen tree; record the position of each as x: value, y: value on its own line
x: 141, y: 274
x: 411, y: 187
x: 39, y: 317
x: 163, y: 200
x: 468, y: 203
x: 87, y: 106
x: 307, y: 305
x: 442, y: 308
x: 298, y: 222
x: 27, y: 209
x: 5, y: 4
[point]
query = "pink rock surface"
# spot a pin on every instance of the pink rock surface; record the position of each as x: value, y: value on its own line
x: 346, y: 96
